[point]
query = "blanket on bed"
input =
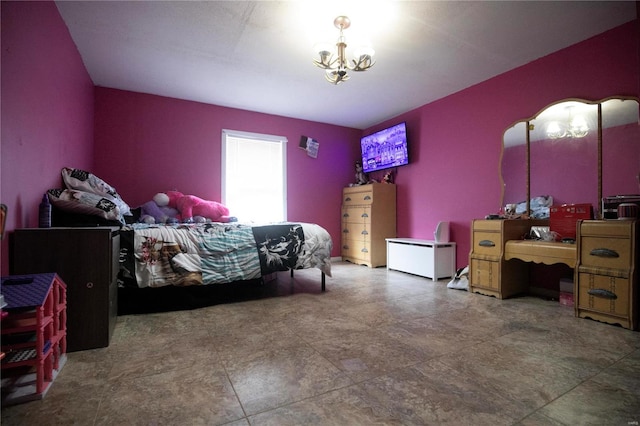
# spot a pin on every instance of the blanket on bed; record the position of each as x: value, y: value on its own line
x: 213, y: 253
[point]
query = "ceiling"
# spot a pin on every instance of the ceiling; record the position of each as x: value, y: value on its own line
x: 257, y: 55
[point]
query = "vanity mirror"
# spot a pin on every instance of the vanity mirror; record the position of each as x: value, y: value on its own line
x: 575, y: 151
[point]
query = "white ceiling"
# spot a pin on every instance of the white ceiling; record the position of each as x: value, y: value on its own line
x: 257, y: 55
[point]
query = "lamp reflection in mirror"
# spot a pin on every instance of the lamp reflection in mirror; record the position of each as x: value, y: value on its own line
x: 335, y: 63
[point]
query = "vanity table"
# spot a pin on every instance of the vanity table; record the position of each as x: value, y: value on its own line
x: 570, y: 150
x: 604, y: 259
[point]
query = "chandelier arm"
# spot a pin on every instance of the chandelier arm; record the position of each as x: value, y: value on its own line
x: 328, y: 64
x: 362, y: 64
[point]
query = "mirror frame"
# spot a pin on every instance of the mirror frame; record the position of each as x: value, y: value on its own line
x: 528, y: 130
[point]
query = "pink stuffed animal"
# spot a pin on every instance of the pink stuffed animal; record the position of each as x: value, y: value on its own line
x: 191, y: 207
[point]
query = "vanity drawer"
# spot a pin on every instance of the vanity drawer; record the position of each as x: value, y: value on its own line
x: 605, y: 294
x: 600, y: 252
x: 606, y: 228
x: 488, y: 225
x: 485, y: 273
x: 487, y: 243
x: 357, y: 196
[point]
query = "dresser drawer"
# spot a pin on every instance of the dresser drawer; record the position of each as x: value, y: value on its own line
x: 357, y: 196
x: 605, y: 294
x: 601, y: 252
x: 487, y: 243
x: 356, y: 214
x: 356, y: 249
x: 355, y: 231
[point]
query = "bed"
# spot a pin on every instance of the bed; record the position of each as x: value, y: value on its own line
x: 192, y: 254
x: 155, y: 260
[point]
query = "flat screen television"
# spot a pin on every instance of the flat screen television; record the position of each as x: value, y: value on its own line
x: 385, y: 149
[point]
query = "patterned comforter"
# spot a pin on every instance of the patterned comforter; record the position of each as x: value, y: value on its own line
x: 215, y: 253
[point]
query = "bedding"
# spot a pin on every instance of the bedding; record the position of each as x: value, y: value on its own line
x: 215, y: 253
x: 88, y: 195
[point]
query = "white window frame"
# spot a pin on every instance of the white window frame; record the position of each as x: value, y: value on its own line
x: 254, y: 137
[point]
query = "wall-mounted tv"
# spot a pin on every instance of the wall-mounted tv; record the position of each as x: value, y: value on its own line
x: 385, y: 149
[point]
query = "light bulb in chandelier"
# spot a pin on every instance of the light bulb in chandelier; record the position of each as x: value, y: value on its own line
x: 554, y: 131
x: 335, y: 61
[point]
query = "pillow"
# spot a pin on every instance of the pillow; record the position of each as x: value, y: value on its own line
x: 85, y: 203
x: 80, y: 180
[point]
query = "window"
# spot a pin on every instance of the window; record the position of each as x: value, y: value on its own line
x: 254, y: 176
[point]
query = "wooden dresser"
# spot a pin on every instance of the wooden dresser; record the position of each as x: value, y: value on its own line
x: 368, y: 219
x: 87, y: 259
x: 606, y: 272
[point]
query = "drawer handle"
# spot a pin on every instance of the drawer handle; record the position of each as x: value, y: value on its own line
x: 345, y: 231
x: 486, y: 243
x: 346, y: 247
x: 348, y: 199
x: 89, y: 284
x: 364, y: 232
x: 364, y: 215
x: 601, y: 292
x: 604, y: 252
x: 367, y: 197
x: 364, y: 250
x: 345, y: 215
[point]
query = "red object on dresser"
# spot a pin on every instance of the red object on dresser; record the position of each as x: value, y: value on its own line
x: 563, y: 219
x: 33, y: 335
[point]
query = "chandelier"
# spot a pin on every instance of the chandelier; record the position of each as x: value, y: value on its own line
x: 576, y: 127
x: 335, y: 63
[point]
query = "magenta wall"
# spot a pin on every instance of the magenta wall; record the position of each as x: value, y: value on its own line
x: 456, y: 141
x: 47, y: 109
x: 147, y: 144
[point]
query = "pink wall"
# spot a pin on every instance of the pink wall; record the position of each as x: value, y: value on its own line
x: 456, y: 141
x: 47, y: 110
x: 147, y: 144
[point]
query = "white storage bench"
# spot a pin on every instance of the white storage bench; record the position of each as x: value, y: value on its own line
x: 426, y: 258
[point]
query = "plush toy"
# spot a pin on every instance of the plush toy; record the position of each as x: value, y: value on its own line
x: 151, y: 212
x: 361, y: 177
x: 191, y: 208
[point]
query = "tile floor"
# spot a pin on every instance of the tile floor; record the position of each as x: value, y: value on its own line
x: 379, y: 347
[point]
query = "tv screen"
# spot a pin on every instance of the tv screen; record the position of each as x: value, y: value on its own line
x: 385, y: 149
